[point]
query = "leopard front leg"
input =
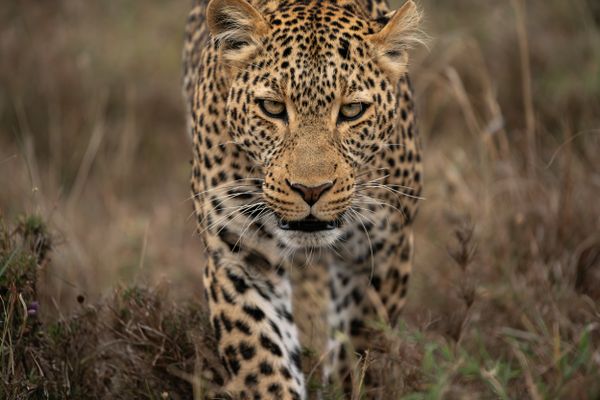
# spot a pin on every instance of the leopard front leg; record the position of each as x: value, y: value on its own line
x: 368, y: 292
x: 251, y: 314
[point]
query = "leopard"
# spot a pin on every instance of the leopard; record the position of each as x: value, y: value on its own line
x: 306, y: 154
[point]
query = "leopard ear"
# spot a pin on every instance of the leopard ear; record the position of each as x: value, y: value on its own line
x: 237, y: 27
x: 398, y: 35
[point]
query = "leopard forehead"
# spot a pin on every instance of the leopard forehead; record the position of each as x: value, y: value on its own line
x: 315, y: 52
x: 318, y: 18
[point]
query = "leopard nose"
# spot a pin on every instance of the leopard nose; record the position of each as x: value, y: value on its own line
x: 310, y: 194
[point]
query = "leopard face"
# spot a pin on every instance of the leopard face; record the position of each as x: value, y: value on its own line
x: 312, y: 101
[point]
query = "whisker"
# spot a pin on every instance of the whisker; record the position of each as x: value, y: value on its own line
x: 222, y: 200
x: 380, y: 203
x: 226, y: 217
x: 368, y: 171
x: 394, y: 191
x: 370, y: 243
x: 249, y: 224
x: 225, y: 186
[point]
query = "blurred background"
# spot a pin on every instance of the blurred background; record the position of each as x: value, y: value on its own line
x: 92, y: 139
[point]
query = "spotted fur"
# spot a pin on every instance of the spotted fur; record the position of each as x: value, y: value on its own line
x: 254, y: 174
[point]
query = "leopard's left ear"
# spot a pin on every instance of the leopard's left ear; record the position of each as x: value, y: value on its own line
x: 398, y: 35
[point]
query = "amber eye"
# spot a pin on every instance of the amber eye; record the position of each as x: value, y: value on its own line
x: 273, y: 109
x: 352, y: 111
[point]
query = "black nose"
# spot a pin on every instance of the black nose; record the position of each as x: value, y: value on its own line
x: 310, y: 194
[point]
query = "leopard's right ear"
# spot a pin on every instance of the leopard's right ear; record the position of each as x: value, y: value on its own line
x: 237, y: 26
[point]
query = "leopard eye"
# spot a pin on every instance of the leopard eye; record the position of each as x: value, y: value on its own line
x: 273, y: 109
x: 352, y: 111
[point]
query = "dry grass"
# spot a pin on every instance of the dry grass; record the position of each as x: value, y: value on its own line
x: 134, y: 344
x: 504, y: 300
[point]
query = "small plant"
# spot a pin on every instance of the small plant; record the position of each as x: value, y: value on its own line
x: 22, y: 251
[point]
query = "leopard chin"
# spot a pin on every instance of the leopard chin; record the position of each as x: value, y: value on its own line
x: 307, y: 233
x: 301, y: 240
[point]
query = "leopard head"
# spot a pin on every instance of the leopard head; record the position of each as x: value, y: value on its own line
x: 312, y: 100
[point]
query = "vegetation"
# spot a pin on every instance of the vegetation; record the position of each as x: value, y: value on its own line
x: 100, y: 281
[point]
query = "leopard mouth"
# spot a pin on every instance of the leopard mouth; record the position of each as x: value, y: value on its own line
x: 309, y: 224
